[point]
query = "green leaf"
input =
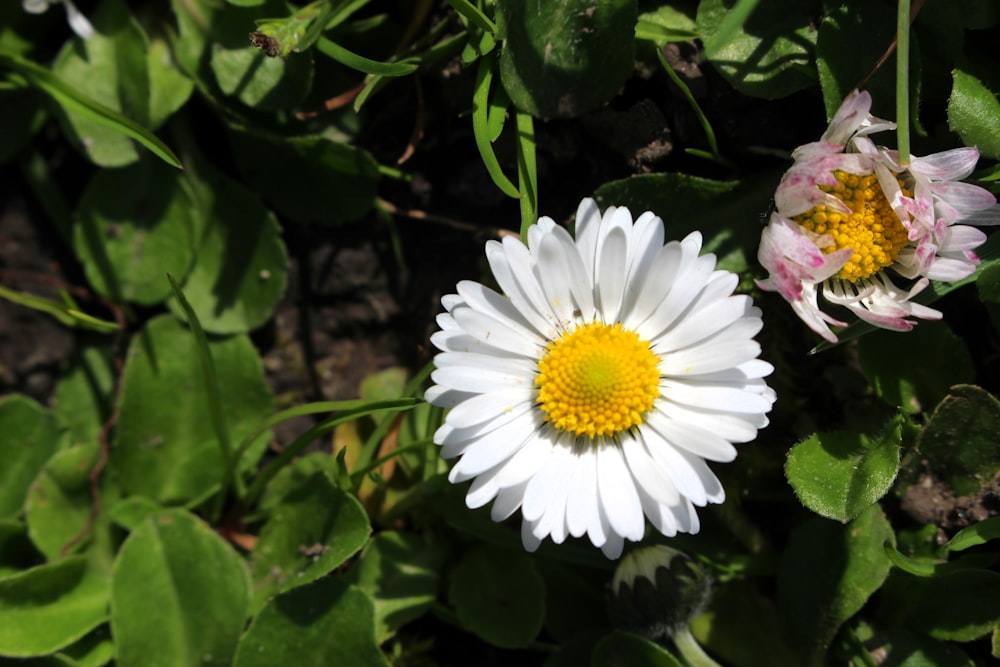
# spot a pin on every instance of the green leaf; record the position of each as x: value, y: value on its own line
x: 770, y: 55
x: 846, y: 50
x: 974, y: 112
x: 362, y: 64
x: 921, y: 566
x: 314, y: 529
x: 197, y: 584
x: 29, y: 435
x: 16, y: 550
x: 135, y: 226
x: 887, y: 359
x: 743, y: 627
x: 82, y: 398
x: 976, y: 534
x: 826, y: 575
x: 241, y: 268
x: 94, y: 650
x: 498, y: 595
x: 474, y: 15
x: 481, y: 130
x: 666, y: 24
x: 50, y: 606
x: 839, y: 475
x: 622, y: 649
x: 246, y: 73
x: 132, y: 511
x: 909, y: 649
x: 400, y: 572
x: 165, y: 446
x: 562, y: 58
x: 66, y: 313
x: 960, y: 605
x: 960, y: 441
x: 114, y: 67
x: 309, y: 179
x: 59, y: 501
x: 691, y: 203
x: 323, y: 623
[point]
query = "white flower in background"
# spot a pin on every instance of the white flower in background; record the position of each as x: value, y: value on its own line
x: 592, y: 392
x: 847, y: 213
x: 77, y: 21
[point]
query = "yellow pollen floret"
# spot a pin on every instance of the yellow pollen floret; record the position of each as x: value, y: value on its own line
x: 597, y: 380
x: 873, y: 229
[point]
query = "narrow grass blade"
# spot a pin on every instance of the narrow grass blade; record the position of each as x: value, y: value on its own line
x: 481, y: 129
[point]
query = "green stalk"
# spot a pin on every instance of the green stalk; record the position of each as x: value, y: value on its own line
x: 903, y: 82
x: 527, y: 172
x: 692, y: 652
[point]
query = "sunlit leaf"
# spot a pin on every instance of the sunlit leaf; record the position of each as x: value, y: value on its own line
x: 974, y: 112
x: 197, y: 584
x: 29, y: 435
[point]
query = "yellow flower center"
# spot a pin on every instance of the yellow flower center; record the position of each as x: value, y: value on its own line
x: 872, y: 229
x: 598, y: 379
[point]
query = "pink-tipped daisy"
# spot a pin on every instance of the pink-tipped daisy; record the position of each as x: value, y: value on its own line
x: 848, y: 214
x: 591, y: 393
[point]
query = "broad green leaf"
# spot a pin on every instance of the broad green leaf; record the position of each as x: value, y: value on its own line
x: 82, y: 398
x: 888, y: 359
x: 666, y: 24
x: 179, y: 595
x: 498, y: 595
x: 744, y: 627
x: 50, y: 606
x: 960, y: 605
x: 910, y: 649
x: 169, y: 88
x: 562, y: 58
x: 94, y: 650
x: 974, y: 112
x: 314, y: 529
x: 400, y: 572
x: 245, y: 73
x: 135, y: 226
x: 59, y: 504
x: 295, y: 475
x: 691, y: 203
x: 320, y: 624
x: 960, y: 440
x: 838, y: 475
x: 309, y: 179
x: 16, y: 549
x: 769, y: 56
x: 165, y: 446
x: 241, y: 267
x: 29, y: 435
x: 621, y: 649
x: 130, y: 512
x: 846, y: 50
x: 976, y: 534
x: 826, y: 575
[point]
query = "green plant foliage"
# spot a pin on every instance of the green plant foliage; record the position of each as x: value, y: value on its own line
x: 565, y: 57
x: 240, y: 269
x: 839, y: 475
x: 498, y: 595
x: 164, y: 446
x: 82, y: 399
x: 960, y: 439
x: 690, y: 203
x: 974, y: 112
x: 50, y: 606
x: 199, y: 586
x: 621, y: 649
x: 851, y: 38
x: 401, y: 573
x: 29, y: 435
x: 769, y: 56
x: 309, y: 179
x: 827, y: 574
x: 887, y: 361
x: 976, y: 534
x: 323, y: 623
x: 135, y: 226
x: 16, y: 550
x: 960, y: 605
x: 312, y: 530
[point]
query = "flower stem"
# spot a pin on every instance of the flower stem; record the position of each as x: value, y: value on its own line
x: 692, y: 652
x: 903, y: 82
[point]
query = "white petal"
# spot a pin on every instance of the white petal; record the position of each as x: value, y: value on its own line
x: 507, y: 502
x: 695, y: 439
x: 543, y: 487
x: 699, y: 395
x: 703, y: 323
x: 650, y: 287
x: 690, y: 280
x: 616, y: 489
x: 525, y: 464
x: 482, y: 490
x: 673, y: 465
x: 496, y: 446
x: 480, y: 380
x: 581, y: 505
x: 484, y: 407
x: 529, y: 541
x: 647, y: 476
x: 77, y: 21
x: 443, y: 397
x: 588, y: 222
x: 497, y: 333
x: 611, y: 272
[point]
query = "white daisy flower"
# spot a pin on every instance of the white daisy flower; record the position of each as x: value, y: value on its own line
x: 847, y: 212
x: 593, y: 391
x: 77, y: 21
